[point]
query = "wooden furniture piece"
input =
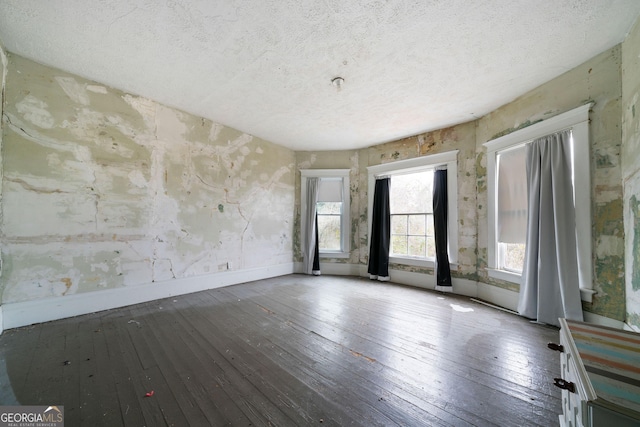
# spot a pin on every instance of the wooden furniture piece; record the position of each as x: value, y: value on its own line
x: 600, y: 375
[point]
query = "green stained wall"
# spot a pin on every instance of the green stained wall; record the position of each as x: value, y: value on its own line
x: 103, y: 189
x: 461, y: 137
x: 631, y: 171
x: 597, y: 80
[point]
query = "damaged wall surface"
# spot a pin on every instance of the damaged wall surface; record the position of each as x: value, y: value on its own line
x: 105, y: 190
x: 102, y: 189
x: 599, y: 81
x: 631, y: 171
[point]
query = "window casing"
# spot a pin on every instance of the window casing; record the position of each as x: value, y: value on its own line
x: 577, y: 120
x: 333, y: 209
x: 413, y: 222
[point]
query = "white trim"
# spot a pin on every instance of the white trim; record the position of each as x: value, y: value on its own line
x: 578, y: 120
x: 345, y: 232
x: 554, y: 124
x: 417, y: 164
x: 43, y: 310
x: 333, y: 254
x: 507, y: 276
x: 498, y: 296
x: 413, y: 165
x: 602, y: 321
x: 632, y: 328
x: 587, y: 294
x: 415, y: 262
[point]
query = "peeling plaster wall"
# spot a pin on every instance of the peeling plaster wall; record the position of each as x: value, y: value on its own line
x: 4, y: 63
x: 597, y: 80
x: 631, y: 171
x: 103, y: 190
x: 460, y: 137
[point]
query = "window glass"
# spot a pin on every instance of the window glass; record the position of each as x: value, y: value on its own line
x: 329, y: 225
x: 512, y: 208
x: 411, y: 204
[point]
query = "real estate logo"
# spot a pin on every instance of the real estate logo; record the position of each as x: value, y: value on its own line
x: 31, y: 416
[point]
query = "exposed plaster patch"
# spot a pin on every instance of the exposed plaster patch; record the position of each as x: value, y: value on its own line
x: 609, y: 246
x: 74, y: 90
x: 97, y: 89
x: 35, y: 111
x: 634, y: 214
x: 522, y: 125
x: 137, y: 178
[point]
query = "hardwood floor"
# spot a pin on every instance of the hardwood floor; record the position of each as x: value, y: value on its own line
x: 293, y: 350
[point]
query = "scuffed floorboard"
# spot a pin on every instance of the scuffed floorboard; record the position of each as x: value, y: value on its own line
x: 293, y: 350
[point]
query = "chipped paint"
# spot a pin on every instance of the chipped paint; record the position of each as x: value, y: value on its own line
x: 630, y: 150
x: 128, y: 187
x: 635, y: 243
x: 522, y: 125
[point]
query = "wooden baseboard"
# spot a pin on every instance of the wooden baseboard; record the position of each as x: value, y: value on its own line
x: 25, y: 313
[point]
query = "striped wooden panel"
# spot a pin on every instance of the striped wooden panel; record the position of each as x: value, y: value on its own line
x: 611, y: 358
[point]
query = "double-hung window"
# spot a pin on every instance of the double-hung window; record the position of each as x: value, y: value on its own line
x: 410, y: 203
x: 332, y: 210
x: 411, y: 207
x: 508, y: 196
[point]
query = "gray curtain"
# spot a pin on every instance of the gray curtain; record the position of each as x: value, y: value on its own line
x: 550, y: 288
x: 311, y: 230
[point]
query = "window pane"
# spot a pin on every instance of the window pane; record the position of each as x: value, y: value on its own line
x: 411, y: 193
x: 417, y: 246
x: 513, y: 256
x: 329, y: 232
x: 430, y: 226
x: 512, y: 195
x: 431, y: 247
x: 398, y: 245
x: 417, y: 224
x: 398, y: 224
x: 326, y: 208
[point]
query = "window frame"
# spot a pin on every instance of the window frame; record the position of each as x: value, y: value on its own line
x: 577, y: 120
x: 341, y: 174
x: 418, y: 164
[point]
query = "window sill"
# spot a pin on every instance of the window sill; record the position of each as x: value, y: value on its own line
x: 416, y: 262
x: 586, y: 295
x: 334, y: 254
x: 507, y: 276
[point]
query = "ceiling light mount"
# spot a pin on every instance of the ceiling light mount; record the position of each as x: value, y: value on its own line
x: 337, y: 82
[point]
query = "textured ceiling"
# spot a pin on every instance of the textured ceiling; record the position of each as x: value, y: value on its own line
x: 265, y: 66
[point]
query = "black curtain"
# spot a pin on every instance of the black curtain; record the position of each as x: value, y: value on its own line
x: 316, y: 252
x: 443, y: 272
x: 380, y: 232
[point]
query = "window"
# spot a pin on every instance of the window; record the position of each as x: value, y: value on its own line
x: 329, y: 213
x: 332, y: 210
x: 511, y: 208
x: 410, y: 201
x: 411, y: 205
x: 507, y: 196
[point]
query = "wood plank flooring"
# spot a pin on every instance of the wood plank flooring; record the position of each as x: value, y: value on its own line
x: 289, y: 351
